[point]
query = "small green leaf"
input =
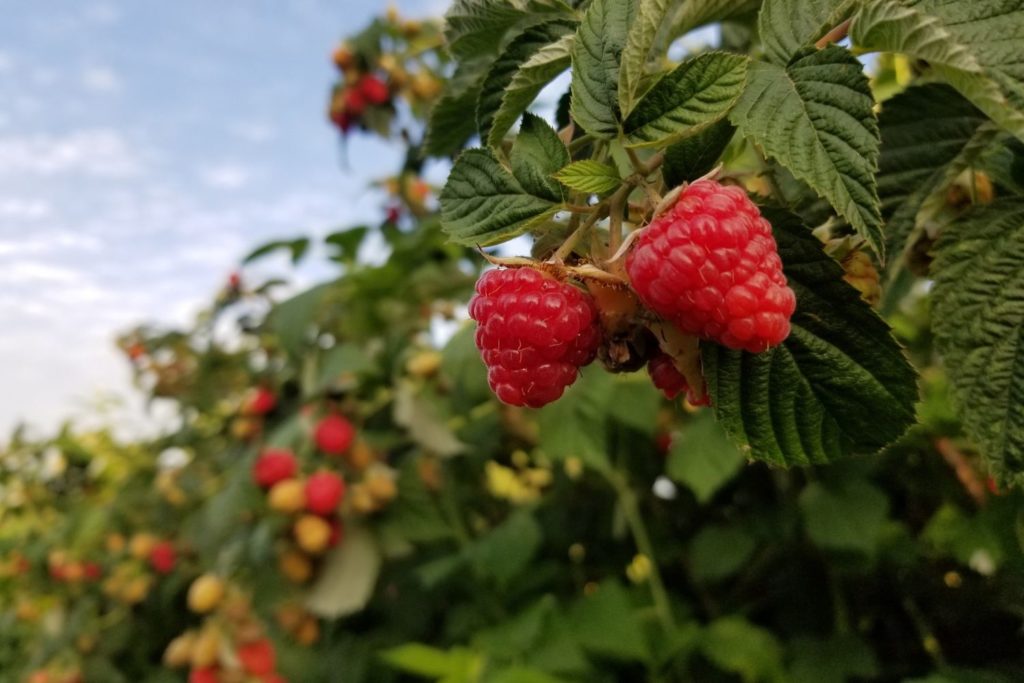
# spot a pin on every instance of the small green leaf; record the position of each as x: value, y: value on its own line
x: 346, y: 243
x: 349, y: 574
x: 297, y: 249
x: 509, y: 548
x: 734, y: 644
x: 650, y: 16
x: 703, y: 458
x: 787, y: 26
x: 536, y: 155
x: 696, y: 94
x: 595, y: 66
x: 482, y: 203
x: 604, y: 623
x: 576, y: 425
x: 844, y: 517
x: 815, y: 116
x: 718, y: 552
x: 978, y: 320
x: 840, y: 383
x: 424, y: 660
x: 692, y: 157
x: 529, y: 80
x: 592, y: 177
x: 503, y: 71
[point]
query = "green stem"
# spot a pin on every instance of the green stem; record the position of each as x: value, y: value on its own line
x: 635, y: 521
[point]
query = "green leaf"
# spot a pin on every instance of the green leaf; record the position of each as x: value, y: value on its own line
x: 346, y: 243
x: 696, y: 13
x: 595, y: 66
x: 592, y: 177
x: 424, y: 660
x: 481, y: 27
x: 929, y: 135
x: 734, y: 644
x: 292, y: 319
x: 975, y: 47
x: 978, y: 320
x: 418, y: 413
x: 503, y: 71
x: 845, y: 517
x: 787, y: 26
x: 718, y: 552
x: 836, y: 659
x: 297, y: 248
x: 528, y: 81
x: 692, y: 157
x: 521, y: 674
x: 536, y: 155
x: 650, y: 16
x: 703, y: 458
x: 969, y: 540
x: 348, y: 576
x: 839, y: 384
x: 815, y: 117
x: 604, y: 623
x: 508, y: 548
x: 576, y: 425
x: 696, y: 94
x: 448, y: 126
x: 482, y: 203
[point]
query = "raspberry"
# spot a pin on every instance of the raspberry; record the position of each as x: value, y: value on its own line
x: 163, y: 557
x: 334, y: 434
x: 534, y: 334
x: 666, y: 377
x: 710, y: 266
x: 272, y: 466
x: 324, y: 491
x: 257, y: 658
x: 260, y: 401
x: 203, y: 675
x: 373, y: 90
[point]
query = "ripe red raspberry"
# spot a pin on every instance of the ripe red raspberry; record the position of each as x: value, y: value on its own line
x: 667, y: 378
x: 203, y: 675
x: 337, y: 532
x: 373, y: 90
x: 324, y: 491
x: 257, y: 658
x: 260, y: 401
x: 163, y: 557
x: 272, y: 466
x: 334, y: 434
x: 710, y: 265
x: 534, y: 334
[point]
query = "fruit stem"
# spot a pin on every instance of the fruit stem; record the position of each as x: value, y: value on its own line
x: 635, y: 521
x: 835, y: 35
x: 570, y: 242
x: 615, y: 226
x: 580, y: 142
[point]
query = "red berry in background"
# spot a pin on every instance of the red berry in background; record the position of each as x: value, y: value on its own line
x: 334, y: 434
x: 354, y: 102
x: 163, y: 557
x: 260, y: 401
x: 203, y: 675
x: 665, y: 376
x: 324, y: 491
x: 393, y: 214
x: 534, y: 334
x: 274, y: 465
x: 257, y: 657
x: 92, y: 571
x: 710, y: 265
x: 373, y: 90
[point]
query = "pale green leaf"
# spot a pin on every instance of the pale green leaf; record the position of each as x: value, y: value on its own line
x: 419, y: 415
x: 734, y: 644
x: 592, y: 177
x: 425, y: 660
x: 528, y: 81
x: 702, y: 457
x: 839, y: 384
x: 696, y: 13
x: 650, y: 16
x: 536, y: 155
x: 596, y: 51
x: 482, y: 203
x: 978, y: 320
x: 348, y: 576
x: 787, y: 26
x: 507, y: 65
x: 606, y: 624
x: 815, y: 116
x: 696, y: 94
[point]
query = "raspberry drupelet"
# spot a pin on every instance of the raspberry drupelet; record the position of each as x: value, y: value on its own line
x: 710, y: 265
x: 534, y: 334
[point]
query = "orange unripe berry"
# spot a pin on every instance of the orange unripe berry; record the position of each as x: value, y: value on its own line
x: 142, y: 545
x: 308, y: 631
x: 179, y: 651
x: 312, y: 533
x: 288, y: 496
x: 205, y: 593
x: 295, y: 566
x: 206, y: 649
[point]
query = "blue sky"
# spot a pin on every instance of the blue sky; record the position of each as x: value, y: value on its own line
x: 144, y: 148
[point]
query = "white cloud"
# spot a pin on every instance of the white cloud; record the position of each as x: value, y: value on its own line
x: 98, y: 152
x: 253, y: 131
x: 225, y: 176
x: 101, y: 79
x: 20, y: 209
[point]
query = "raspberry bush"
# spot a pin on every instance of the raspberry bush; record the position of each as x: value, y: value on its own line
x: 741, y: 402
